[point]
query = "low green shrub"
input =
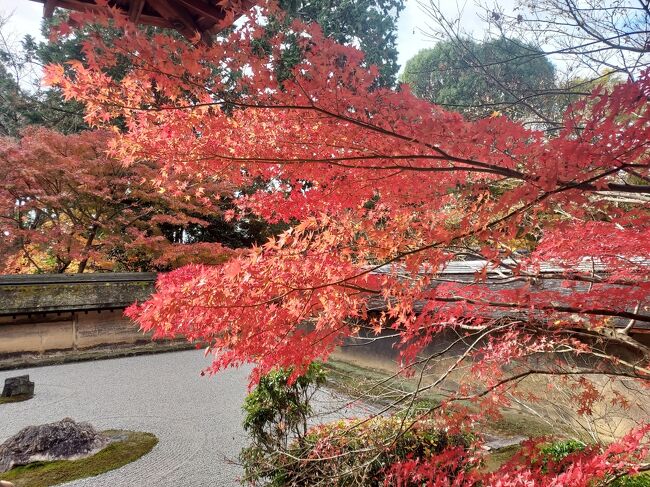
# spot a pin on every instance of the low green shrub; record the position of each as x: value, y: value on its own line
x: 285, y: 452
x: 559, y: 450
x: 276, y: 415
x: 360, y: 453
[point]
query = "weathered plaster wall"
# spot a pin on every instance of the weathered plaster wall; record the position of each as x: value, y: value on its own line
x: 42, y: 313
x: 35, y: 334
x: 66, y: 331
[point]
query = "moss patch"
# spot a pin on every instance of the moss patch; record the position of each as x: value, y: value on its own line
x: 641, y: 480
x: 496, y: 458
x: 356, y: 380
x: 115, y: 455
x: 20, y: 398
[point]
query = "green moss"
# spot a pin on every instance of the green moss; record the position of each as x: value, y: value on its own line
x: 20, y: 398
x: 641, y: 480
x: 496, y: 458
x: 356, y: 380
x: 115, y: 455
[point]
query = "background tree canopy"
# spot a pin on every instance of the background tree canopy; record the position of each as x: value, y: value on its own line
x: 369, y: 24
x: 23, y: 100
x: 480, y: 78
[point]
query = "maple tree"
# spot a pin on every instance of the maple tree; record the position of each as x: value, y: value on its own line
x: 383, y: 190
x: 65, y: 205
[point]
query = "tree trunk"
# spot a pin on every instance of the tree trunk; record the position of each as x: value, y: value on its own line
x: 89, y: 241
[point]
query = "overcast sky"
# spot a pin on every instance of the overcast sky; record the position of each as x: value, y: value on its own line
x: 26, y: 18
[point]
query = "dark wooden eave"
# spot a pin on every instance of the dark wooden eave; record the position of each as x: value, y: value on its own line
x: 195, y: 19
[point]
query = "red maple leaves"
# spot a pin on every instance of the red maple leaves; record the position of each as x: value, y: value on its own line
x: 384, y: 191
x: 66, y: 206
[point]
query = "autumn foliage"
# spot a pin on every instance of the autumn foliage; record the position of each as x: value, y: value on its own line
x: 384, y: 190
x: 67, y: 206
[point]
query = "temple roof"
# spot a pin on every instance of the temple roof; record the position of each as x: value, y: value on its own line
x: 195, y: 19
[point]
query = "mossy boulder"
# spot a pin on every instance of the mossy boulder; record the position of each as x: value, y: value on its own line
x: 61, y: 440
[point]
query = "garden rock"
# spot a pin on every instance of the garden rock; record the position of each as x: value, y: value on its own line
x: 62, y: 440
x: 18, y: 386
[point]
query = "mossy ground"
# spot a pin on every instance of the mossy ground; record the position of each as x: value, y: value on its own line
x: 356, y: 381
x: 495, y: 459
x: 640, y: 480
x: 115, y: 455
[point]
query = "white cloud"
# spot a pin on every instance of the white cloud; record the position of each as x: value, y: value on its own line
x: 410, y: 38
x: 25, y: 17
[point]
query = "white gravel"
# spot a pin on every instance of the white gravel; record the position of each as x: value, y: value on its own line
x: 196, y: 419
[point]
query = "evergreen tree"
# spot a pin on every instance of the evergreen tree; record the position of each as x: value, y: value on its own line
x: 478, y: 79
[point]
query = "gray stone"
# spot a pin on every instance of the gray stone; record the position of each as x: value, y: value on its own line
x: 497, y: 442
x: 62, y: 440
x: 18, y: 386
